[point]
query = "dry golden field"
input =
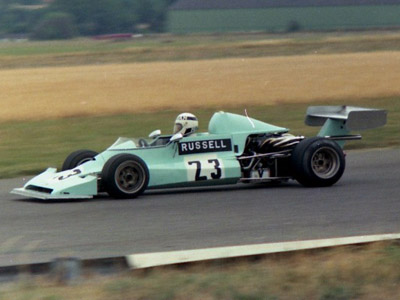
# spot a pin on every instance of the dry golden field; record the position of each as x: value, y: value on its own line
x: 53, y: 92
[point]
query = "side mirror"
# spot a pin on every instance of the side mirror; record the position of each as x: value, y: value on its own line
x: 176, y: 137
x: 155, y: 133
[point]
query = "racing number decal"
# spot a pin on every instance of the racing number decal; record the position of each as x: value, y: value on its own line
x: 73, y: 173
x: 214, y: 175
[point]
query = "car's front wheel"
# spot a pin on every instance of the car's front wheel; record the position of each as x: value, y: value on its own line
x: 77, y: 158
x: 317, y: 162
x: 125, y: 176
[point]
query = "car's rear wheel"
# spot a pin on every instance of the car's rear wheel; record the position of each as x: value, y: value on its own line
x: 317, y: 162
x: 77, y: 158
x: 125, y: 176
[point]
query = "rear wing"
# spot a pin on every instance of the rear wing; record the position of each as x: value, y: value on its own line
x: 338, y: 121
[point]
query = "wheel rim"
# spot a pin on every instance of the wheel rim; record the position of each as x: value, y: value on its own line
x: 129, y: 177
x: 325, y: 163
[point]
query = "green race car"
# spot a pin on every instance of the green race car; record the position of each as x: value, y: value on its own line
x: 235, y: 149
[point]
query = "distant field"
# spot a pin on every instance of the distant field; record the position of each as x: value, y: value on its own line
x: 95, y: 90
x: 190, y: 47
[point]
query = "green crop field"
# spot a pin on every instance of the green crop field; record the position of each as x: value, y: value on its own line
x: 279, y: 19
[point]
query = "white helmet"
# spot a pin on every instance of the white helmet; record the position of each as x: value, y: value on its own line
x: 186, y: 123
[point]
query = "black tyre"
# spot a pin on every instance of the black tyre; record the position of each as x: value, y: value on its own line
x: 125, y: 176
x: 77, y: 158
x: 317, y: 162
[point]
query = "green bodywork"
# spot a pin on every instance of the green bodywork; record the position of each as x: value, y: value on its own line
x: 208, y: 158
x: 334, y: 127
x: 167, y: 167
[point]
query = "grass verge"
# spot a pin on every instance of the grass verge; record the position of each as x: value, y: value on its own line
x: 350, y: 272
x: 28, y: 147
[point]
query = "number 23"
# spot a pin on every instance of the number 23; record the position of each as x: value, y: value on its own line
x: 214, y: 175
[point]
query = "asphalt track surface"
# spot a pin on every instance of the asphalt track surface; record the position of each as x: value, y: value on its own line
x: 365, y: 201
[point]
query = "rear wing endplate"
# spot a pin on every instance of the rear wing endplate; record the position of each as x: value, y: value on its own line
x: 352, y: 118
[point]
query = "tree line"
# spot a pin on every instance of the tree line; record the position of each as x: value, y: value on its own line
x: 62, y: 19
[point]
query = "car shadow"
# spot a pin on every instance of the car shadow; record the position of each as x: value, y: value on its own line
x: 170, y: 191
x: 221, y: 188
x: 55, y: 201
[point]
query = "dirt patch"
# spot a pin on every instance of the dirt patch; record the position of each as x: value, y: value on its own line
x: 123, y: 88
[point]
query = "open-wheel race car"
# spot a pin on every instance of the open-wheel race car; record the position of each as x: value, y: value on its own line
x: 235, y: 149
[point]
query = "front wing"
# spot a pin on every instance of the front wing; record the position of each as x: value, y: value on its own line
x: 63, y: 185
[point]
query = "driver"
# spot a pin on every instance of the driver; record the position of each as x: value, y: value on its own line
x: 186, y: 123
